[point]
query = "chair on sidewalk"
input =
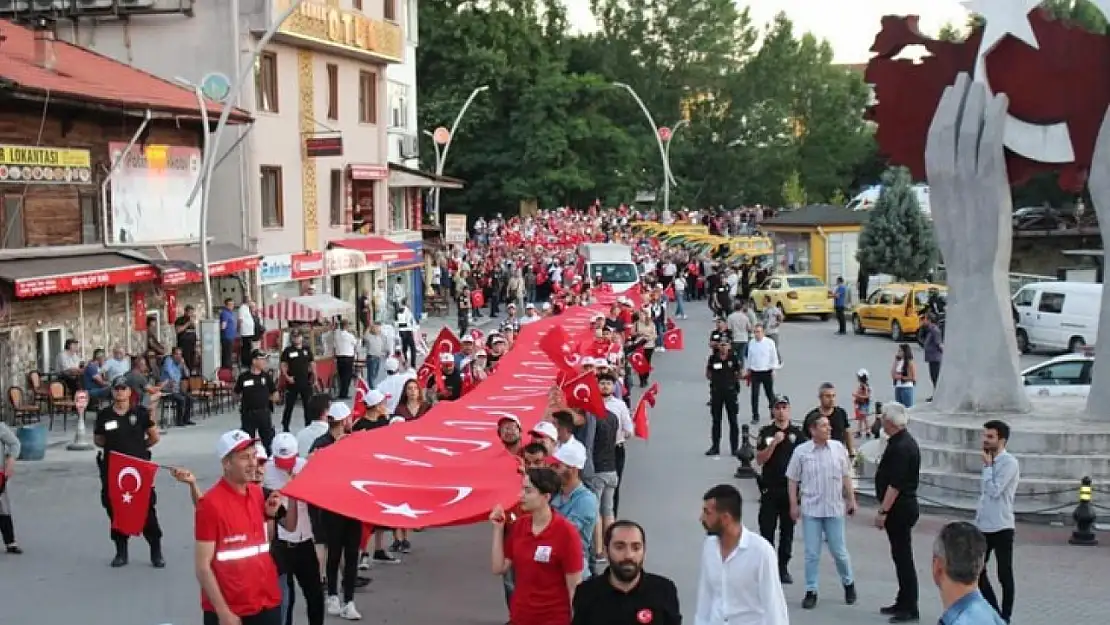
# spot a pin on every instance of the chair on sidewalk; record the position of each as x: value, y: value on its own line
x: 22, y: 411
x: 61, y: 404
x: 197, y: 388
x: 39, y: 391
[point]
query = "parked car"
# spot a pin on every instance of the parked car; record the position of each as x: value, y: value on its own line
x: 1063, y: 376
x: 796, y: 294
x: 1057, y: 316
x: 1038, y: 218
x: 894, y: 309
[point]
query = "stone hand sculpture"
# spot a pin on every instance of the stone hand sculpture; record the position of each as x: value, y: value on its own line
x: 1098, y: 402
x: 972, y: 209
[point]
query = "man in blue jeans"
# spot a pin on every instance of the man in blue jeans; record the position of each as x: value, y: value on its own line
x: 821, y: 495
x: 840, y: 305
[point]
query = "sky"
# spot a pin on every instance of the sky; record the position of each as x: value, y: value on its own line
x: 849, y: 25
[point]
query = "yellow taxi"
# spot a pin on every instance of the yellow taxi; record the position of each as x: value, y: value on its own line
x: 796, y: 294
x: 893, y: 309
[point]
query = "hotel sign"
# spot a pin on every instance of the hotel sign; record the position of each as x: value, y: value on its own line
x: 319, y: 22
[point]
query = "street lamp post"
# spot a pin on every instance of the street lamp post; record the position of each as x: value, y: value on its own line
x: 667, y: 151
x: 658, y: 141
x: 221, y: 125
x: 444, y: 137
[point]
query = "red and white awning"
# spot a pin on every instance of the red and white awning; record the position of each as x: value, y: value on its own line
x: 320, y: 307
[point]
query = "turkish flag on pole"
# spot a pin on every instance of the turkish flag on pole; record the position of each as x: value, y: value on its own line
x: 639, y: 362
x: 672, y: 339
x: 669, y: 292
x: 583, y: 392
x: 557, y: 346
x: 130, y: 485
x: 446, y: 343
x: 359, y: 407
x: 641, y: 426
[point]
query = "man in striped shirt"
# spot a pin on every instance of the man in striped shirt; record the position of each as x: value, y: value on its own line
x: 821, y: 494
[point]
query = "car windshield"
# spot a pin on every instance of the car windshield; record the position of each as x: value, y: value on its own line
x: 922, y: 297
x: 619, y: 273
x: 800, y: 281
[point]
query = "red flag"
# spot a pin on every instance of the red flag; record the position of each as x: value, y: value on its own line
x: 583, y: 392
x: 446, y: 343
x: 560, y: 349
x: 672, y: 339
x: 441, y: 383
x: 670, y: 324
x: 669, y: 292
x: 639, y: 362
x: 641, y: 425
x: 425, y: 373
x: 359, y: 407
x: 130, y: 484
x: 477, y: 299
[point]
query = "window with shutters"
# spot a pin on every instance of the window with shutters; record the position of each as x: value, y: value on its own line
x: 272, y: 207
x: 266, y: 83
x: 90, y: 218
x: 333, y: 91
x: 367, y: 98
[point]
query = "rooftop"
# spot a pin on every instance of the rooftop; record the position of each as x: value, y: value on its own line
x: 818, y: 215
x: 84, y: 76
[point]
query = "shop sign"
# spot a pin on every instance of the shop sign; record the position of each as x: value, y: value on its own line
x: 215, y: 270
x: 26, y: 164
x: 454, y: 228
x: 33, y: 287
x: 416, y: 262
x: 317, y: 21
x: 150, y: 193
x: 369, y: 172
x: 308, y: 265
x: 342, y: 261
x: 319, y: 147
x: 275, y: 269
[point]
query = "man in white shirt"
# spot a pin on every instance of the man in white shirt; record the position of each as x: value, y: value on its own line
x: 380, y: 313
x: 739, y: 579
x: 246, y: 332
x: 345, y: 346
x: 760, y: 361
x: 320, y: 410
x: 119, y: 364
x: 296, y: 551
x: 394, y: 383
x: 397, y: 295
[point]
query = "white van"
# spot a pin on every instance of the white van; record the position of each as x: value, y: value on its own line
x: 867, y: 199
x: 613, y: 262
x: 1057, y: 316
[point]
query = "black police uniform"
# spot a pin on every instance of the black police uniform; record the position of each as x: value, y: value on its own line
x: 126, y: 434
x: 255, y: 407
x: 654, y: 600
x: 774, y: 501
x: 298, y: 361
x: 723, y: 373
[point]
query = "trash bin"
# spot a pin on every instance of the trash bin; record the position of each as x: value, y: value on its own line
x: 32, y: 441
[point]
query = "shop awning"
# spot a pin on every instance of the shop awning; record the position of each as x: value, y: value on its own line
x: 376, y: 249
x: 320, y: 307
x: 181, y: 265
x: 34, y: 277
x: 401, y: 177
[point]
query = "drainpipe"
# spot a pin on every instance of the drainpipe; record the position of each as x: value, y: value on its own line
x: 821, y: 231
x: 112, y: 172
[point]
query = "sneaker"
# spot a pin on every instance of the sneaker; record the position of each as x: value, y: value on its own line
x: 395, y: 547
x: 406, y: 546
x: 810, y: 600
x: 381, y: 555
x: 349, y: 612
x: 661, y: 349
x: 333, y: 606
x: 364, y: 562
x: 850, y: 594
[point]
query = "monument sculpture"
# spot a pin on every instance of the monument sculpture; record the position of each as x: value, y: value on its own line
x: 1021, y: 95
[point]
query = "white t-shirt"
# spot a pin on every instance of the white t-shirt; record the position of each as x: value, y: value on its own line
x: 246, y: 321
x: 345, y: 343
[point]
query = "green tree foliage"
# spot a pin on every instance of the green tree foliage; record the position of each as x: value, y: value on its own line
x: 762, y: 103
x: 898, y: 237
x: 793, y: 193
x: 950, y: 32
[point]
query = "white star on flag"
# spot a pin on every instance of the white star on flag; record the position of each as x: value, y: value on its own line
x: 442, y: 450
x: 126, y: 497
x: 404, y: 510
x: 1004, y: 17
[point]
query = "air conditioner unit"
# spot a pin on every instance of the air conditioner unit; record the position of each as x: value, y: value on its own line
x: 94, y: 5
x: 13, y: 6
x: 410, y: 147
x: 125, y: 5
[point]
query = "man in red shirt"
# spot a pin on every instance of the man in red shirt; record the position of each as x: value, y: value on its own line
x: 238, y: 578
x: 544, y: 552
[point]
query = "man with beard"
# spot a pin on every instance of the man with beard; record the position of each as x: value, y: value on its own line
x: 739, y: 579
x: 508, y: 430
x: 625, y: 594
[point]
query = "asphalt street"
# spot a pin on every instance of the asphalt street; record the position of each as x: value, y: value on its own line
x: 64, y: 578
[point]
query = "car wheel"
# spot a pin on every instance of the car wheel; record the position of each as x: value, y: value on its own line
x: 896, y: 332
x: 1075, y: 344
x: 1022, y: 342
x: 857, y: 324
x: 824, y: 316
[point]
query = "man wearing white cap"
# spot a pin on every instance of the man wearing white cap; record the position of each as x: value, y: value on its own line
x: 452, y: 380
x: 393, y: 384
x: 545, y: 433
x: 466, y: 353
x: 530, y: 315
x: 238, y: 578
x: 375, y: 416
x: 294, y: 551
x: 574, y: 501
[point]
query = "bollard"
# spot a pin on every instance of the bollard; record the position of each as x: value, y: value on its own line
x: 746, y: 455
x: 1084, y: 517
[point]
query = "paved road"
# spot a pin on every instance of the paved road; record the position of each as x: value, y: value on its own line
x: 64, y: 576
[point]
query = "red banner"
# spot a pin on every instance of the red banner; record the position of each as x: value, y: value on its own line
x: 229, y: 267
x: 138, y: 307
x: 33, y: 287
x: 171, y: 306
x: 307, y: 265
x: 449, y: 466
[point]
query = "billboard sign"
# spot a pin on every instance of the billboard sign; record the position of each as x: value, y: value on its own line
x: 149, y: 194
x: 454, y: 229
x: 24, y: 164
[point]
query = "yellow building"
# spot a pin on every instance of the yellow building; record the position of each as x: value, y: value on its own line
x: 818, y: 239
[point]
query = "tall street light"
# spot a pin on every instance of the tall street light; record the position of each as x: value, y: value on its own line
x: 443, y: 137
x: 667, y: 152
x: 659, y: 139
x: 210, y: 163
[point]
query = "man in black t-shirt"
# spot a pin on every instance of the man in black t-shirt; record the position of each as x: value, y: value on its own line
x: 838, y: 418
x: 186, y: 328
x: 376, y: 413
x: 774, y: 447
x: 298, y: 370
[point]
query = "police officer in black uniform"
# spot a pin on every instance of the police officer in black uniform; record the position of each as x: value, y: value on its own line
x: 298, y: 369
x: 257, y: 392
x: 774, y: 448
x: 720, y: 333
x: 127, y: 429
x: 723, y: 373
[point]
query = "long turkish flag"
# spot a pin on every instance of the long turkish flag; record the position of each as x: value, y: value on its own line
x: 130, y: 485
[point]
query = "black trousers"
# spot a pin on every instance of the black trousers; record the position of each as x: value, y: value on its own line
x: 152, y: 531
x: 183, y: 407
x: 774, y: 512
x: 345, y: 366
x: 408, y: 347
x: 344, y: 535
x: 225, y: 353
x: 260, y: 423
x: 271, y: 616
x: 934, y: 373
x: 246, y: 347
x: 292, y: 393
x: 7, y: 529
x: 724, y: 401
x: 302, y: 566
x: 899, y: 531
x: 1001, y: 544
x: 649, y: 352
x: 841, y: 320
x: 620, y: 457
x: 766, y: 380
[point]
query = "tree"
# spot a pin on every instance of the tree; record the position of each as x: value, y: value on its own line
x: 793, y: 193
x: 898, y: 237
x: 950, y: 32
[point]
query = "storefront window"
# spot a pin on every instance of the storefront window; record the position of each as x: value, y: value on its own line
x: 792, y: 253
x: 398, y: 212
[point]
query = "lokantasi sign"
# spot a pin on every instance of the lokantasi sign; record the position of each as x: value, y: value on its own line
x: 130, y: 485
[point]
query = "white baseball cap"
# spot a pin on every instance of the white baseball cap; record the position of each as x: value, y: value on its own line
x: 260, y: 451
x: 446, y: 358
x: 547, y: 429
x: 284, y: 446
x: 397, y: 419
x: 338, y: 411
x: 572, y: 453
x: 233, y: 441
x: 374, y: 397
x: 508, y: 417
x: 547, y: 305
x: 466, y: 338
x: 862, y: 373
x: 530, y: 305
x: 392, y: 365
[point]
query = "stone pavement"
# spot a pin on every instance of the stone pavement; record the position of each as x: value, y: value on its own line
x: 64, y: 578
